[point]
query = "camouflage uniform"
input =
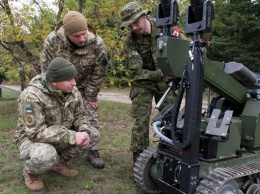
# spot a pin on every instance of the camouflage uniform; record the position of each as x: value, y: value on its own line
x: 147, y: 83
x: 47, y: 125
x: 90, y: 61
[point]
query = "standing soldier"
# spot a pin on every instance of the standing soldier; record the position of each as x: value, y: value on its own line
x: 148, y: 82
x: 77, y: 41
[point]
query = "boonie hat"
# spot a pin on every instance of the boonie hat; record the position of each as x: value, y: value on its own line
x: 131, y: 12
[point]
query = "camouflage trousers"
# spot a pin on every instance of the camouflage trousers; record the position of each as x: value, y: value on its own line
x: 40, y: 157
x: 91, y: 113
x: 141, y: 111
x: 92, y: 116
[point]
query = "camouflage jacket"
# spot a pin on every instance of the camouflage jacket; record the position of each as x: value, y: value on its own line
x: 90, y: 60
x: 48, y: 115
x: 142, y: 59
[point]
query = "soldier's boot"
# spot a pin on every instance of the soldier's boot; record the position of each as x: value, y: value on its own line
x: 33, y: 182
x: 136, y: 155
x: 94, y: 158
x: 63, y: 169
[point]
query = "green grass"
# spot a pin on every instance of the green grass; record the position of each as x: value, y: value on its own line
x: 115, y: 178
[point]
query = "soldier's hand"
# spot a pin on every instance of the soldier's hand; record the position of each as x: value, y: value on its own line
x: 94, y: 105
x: 82, y: 139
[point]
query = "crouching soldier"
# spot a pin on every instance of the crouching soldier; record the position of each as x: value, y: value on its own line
x: 52, y: 126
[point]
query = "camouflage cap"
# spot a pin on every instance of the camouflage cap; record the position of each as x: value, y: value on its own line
x: 131, y: 12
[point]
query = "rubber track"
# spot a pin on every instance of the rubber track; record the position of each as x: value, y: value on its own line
x: 216, y: 178
x: 139, y: 169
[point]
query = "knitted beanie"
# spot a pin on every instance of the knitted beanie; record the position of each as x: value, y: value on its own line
x: 60, y: 70
x: 74, y: 21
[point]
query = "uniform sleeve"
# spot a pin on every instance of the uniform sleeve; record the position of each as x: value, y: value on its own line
x: 98, y: 73
x: 47, y: 54
x: 135, y: 64
x: 33, y: 117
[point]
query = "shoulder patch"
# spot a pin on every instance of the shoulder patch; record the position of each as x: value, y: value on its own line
x: 101, y: 45
x: 30, y: 120
x: 43, y: 57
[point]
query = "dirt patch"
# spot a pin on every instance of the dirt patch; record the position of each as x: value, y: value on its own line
x: 114, y: 97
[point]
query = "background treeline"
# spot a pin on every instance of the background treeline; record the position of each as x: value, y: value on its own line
x: 235, y: 33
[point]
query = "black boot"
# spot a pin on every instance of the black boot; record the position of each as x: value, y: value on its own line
x: 94, y: 158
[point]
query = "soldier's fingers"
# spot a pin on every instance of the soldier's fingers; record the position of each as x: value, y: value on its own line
x: 85, y: 145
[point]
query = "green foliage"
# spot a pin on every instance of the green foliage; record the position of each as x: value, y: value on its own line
x: 236, y: 33
x: 22, y: 32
